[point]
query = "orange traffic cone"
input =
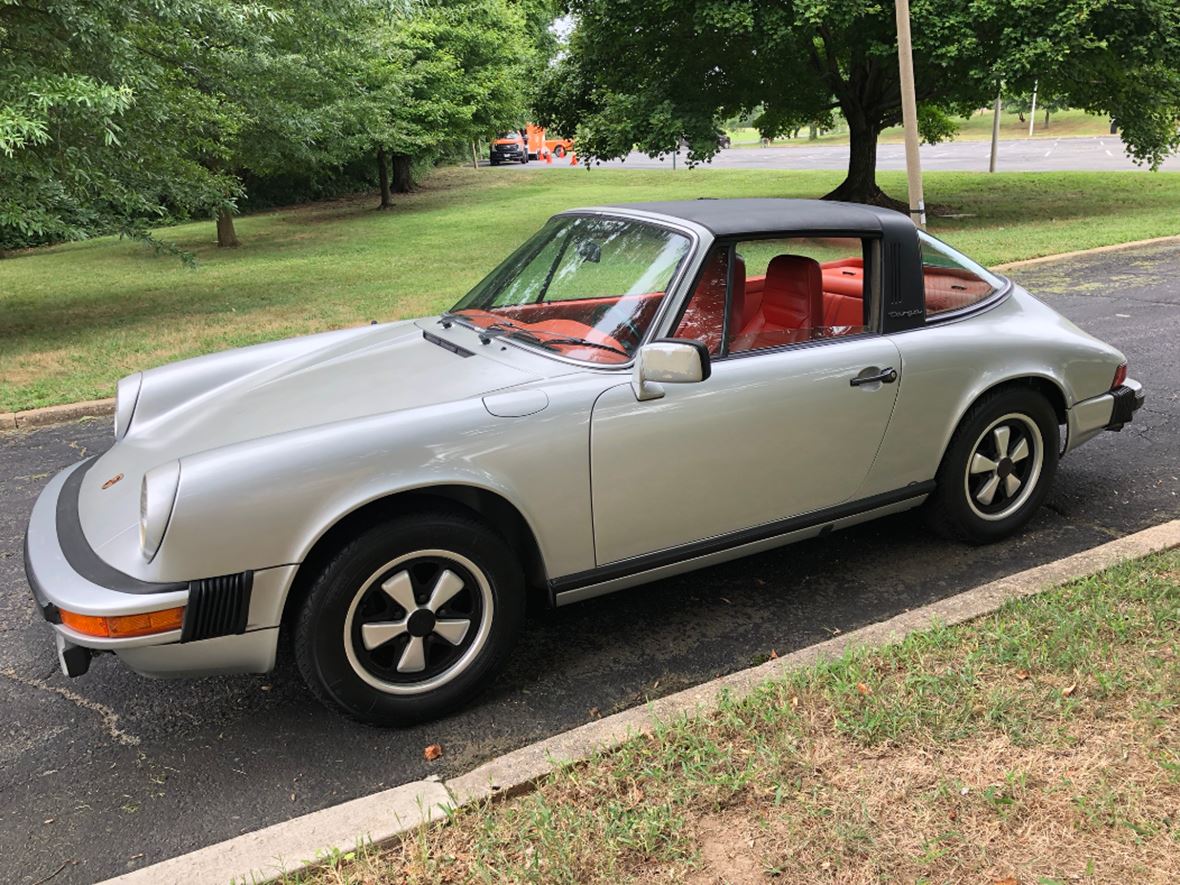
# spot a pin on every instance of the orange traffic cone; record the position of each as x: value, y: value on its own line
x: 548, y: 156
x: 573, y: 159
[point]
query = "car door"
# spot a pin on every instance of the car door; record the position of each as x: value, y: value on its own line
x: 774, y: 432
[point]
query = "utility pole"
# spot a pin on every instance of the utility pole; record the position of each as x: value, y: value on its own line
x: 909, y: 114
x: 991, y: 166
x: 1032, y: 115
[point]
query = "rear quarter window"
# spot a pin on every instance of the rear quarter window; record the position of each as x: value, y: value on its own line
x: 951, y: 280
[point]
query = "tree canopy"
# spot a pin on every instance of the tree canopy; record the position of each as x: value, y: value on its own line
x: 651, y: 75
x: 117, y: 114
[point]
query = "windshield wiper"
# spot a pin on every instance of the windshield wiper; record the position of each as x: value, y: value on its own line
x: 586, y: 342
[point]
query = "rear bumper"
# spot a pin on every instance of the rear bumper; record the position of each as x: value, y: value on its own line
x: 57, y: 584
x: 1108, y: 411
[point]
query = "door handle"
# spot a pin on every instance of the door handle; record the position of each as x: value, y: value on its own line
x: 885, y: 376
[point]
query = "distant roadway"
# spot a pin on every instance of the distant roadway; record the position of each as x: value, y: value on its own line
x: 1100, y: 154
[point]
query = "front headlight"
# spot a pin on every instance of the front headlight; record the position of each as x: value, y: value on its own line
x: 126, y: 397
x: 157, y: 495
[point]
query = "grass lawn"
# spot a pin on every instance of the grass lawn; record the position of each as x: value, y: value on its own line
x: 977, y: 127
x: 76, y: 317
x: 1038, y: 745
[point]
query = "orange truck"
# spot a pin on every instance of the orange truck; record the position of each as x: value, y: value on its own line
x: 539, y: 142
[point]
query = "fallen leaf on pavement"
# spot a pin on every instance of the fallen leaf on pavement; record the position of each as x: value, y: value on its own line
x: 434, y: 751
x: 595, y: 713
x: 773, y: 655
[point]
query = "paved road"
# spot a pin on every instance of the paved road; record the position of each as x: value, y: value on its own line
x: 1022, y: 155
x: 109, y: 772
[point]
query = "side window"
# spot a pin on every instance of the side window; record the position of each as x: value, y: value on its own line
x: 952, y: 280
x: 799, y: 289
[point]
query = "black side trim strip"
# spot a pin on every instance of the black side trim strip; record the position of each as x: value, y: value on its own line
x: 662, y: 558
x: 81, y: 556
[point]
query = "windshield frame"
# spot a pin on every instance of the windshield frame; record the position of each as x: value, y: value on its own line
x: 672, y: 294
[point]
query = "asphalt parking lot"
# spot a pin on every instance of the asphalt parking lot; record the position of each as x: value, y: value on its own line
x: 109, y: 772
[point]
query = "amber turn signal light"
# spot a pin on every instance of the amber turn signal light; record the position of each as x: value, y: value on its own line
x: 124, y: 626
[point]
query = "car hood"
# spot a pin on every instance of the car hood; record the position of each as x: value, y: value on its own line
x: 250, y: 393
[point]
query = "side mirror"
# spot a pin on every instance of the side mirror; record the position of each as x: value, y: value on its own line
x: 669, y: 360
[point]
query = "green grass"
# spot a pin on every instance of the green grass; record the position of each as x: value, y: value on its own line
x: 76, y: 317
x: 1038, y: 743
x: 977, y: 127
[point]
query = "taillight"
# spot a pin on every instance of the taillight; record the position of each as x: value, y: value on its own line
x: 1120, y: 375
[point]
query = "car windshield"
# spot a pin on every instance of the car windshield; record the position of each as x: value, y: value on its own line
x: 585, y: 286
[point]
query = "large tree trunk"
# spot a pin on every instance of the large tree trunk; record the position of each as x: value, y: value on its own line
x: 860, y: 185
x: 226, y: 235
x: 383, y: 177
x: 403, y: 181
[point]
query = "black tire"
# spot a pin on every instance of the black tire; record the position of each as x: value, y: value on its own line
x: 357, y: 591
x: 559, y: 151
x: 986, y: 500
x: 494, y: 162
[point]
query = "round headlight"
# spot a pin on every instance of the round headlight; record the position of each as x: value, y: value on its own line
x: 157, y: 495
x: 126, y: 397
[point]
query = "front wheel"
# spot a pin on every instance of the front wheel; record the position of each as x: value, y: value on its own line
x: 411, y: 619
x: 998, y: 468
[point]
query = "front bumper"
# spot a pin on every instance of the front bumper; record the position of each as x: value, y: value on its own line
x: 1108, y: 411
x: 57, y: 583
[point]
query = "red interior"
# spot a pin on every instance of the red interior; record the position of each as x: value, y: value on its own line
x: 588, y: 318
x: 950, y: 288
x: 798, y: 299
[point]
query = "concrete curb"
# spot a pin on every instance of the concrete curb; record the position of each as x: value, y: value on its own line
x: 56, y: 414
x: 1059, y: 256
x: 384, y: 817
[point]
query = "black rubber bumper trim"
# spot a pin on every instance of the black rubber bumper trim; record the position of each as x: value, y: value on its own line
x: 650, y: 561
x: 1127, y: 402
x: 81, y: 556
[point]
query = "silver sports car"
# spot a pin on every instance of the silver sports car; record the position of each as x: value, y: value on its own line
x: 636, y: 391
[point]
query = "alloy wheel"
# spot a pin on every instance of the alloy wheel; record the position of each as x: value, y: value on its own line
x: 418, y: 621
x: 1004, y: 467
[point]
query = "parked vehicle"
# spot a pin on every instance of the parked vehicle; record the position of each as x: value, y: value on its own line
x: 636, y: 392
x: 509, y: 147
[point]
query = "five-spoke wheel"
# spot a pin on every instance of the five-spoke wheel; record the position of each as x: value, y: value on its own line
x: 998, y: 467
x: 411, y: 618
x: 418, y: 621
x: 1004, y: 466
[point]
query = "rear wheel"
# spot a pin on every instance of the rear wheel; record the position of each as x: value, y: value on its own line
x: 559, y: 151
x: 410, y: 620
x: 998, y: 468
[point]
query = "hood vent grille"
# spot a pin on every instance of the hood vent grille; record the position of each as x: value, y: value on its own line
x: 217, y: 607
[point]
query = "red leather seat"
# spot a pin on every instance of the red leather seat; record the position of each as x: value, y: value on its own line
x: 704, y: 315
x: 792, y: 304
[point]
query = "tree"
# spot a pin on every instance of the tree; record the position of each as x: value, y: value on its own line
x: 92, y: 139
x: 647, y: 75
x: 443, y: 74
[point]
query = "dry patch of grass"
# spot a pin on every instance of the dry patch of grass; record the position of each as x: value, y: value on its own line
x: 1038, y: 745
